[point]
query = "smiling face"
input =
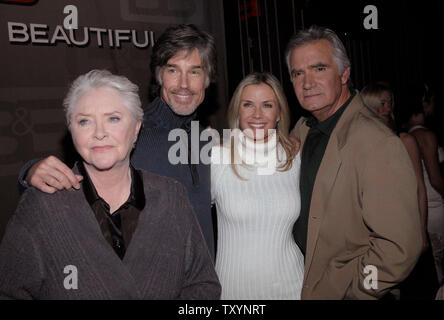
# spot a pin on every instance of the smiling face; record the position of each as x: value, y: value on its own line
x: 103, y: 129
x: 258, y: 110
x: 317, y: 83
x: 183, y: 82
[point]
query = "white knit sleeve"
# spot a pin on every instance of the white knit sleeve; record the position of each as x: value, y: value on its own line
x: 218, y: 164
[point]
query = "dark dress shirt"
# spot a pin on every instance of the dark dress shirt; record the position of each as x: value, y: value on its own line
x: 311, y: 158
x: 117, y: 227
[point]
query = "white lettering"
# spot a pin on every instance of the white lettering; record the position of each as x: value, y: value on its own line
x: 194, y: 142
x: 371, y: 281
x: 134, y: 38
x: 206, y: 311
x: 271, y: 158
x: 205, y: 152
x: 371, y: 21
x: 181, y: 146
x: 121, y: 35
x: 99, y: 35
x: 71, y: 280
x: 110, y: 38
x: 71, y: 21
x: 35, y: 33
x: 85, y: 37
x: 18, y: 35
x: 60, y: 35
x: 243, y: 309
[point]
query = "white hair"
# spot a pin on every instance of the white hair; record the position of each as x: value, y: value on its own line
x: 315, y: 33
x: 127, y: 90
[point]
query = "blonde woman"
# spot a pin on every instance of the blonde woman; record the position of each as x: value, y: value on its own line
x: 422, y: 282
x: 255, y: 187
x: 379, y: 98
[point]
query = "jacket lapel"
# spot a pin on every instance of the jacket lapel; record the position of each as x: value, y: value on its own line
x: 325, y: 180
x: 303, y: 132
x: 326, y: 177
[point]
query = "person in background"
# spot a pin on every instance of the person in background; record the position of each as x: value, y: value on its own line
x: 183, y: 64
x: 379, y: 98
x: 257, y: 197
x: 428, y: 145
x: 440, y: 293
x: 124, y: 234
x: 433, y: 119
x: 422, y: 283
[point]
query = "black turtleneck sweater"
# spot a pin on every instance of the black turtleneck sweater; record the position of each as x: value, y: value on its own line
x: 151, y: 154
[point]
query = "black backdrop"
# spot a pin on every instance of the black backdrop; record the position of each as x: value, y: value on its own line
x: 406, y: 48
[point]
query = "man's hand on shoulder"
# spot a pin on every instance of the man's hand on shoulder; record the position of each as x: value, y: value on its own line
x: 51, y: 174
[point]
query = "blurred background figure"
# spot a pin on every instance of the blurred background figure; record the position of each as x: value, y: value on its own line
x: 422, y: 282
x: 440, y: 293
x: 414, y: 121
x: 379, y: 98
x: 433, y: 119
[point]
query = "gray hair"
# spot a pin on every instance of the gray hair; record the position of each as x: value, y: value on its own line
x: 315, y: 33
x: 184, y: 37
x: 127, y: 90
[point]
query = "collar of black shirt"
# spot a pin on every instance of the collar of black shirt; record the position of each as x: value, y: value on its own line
x: 135, y: 199
x: 327, y: 126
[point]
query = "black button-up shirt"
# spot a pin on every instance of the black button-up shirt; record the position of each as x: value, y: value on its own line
x: 118, y: 227
x: 312, y: 154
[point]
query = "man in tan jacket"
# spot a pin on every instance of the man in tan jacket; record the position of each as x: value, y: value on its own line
x: 359, y: 226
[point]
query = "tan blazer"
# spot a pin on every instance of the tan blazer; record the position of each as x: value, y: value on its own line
x: 363, y: 212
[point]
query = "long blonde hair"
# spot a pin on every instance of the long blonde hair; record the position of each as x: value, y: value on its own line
x: 283, y: 126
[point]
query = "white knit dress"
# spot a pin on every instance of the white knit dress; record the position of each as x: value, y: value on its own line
x: 257, y: 257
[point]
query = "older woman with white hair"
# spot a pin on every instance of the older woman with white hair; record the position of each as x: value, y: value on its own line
x: 125, y: 234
